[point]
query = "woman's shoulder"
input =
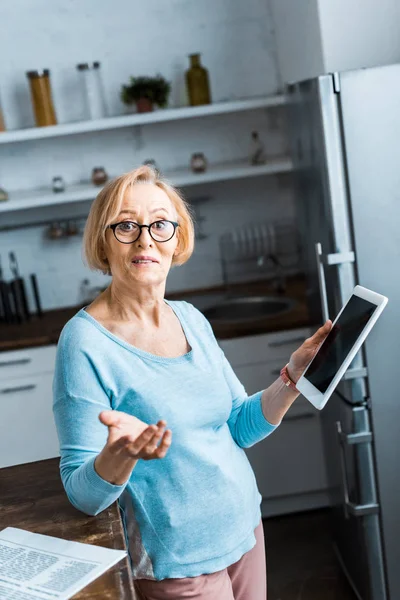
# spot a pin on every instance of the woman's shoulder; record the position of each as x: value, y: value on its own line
x: 76, y: 332
x: 191, y: 314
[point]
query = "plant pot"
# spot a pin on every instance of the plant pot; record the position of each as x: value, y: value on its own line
x: 144, y: 105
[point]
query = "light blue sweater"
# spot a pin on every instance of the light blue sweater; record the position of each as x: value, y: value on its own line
x: 195, y: 510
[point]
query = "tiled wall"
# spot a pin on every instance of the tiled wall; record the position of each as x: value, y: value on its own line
x: 237, y: 43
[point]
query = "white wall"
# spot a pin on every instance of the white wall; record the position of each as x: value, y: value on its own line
x: 298, y: 39
x: 359, y: 33
x: 237, y: 43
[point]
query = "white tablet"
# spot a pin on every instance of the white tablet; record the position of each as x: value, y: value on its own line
x: 348, y: 332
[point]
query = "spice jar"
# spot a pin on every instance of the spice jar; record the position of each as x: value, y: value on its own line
x: 55, y: 231
x: 58, y: 184
x: 99, y: 176
x: 42, y: 101
x: 198, y: 162
x: 93, y: 91
x: 197, y: 82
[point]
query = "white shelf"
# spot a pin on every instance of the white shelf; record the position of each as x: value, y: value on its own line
x: 156, y: 116
x: 22, y: 200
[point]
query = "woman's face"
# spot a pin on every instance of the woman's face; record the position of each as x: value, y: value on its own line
x: 144, y: 203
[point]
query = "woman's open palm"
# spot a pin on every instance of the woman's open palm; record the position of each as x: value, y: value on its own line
x: 129, y: 436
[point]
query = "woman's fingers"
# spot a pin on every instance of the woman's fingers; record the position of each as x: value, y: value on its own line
x: 145, y: 446
x: 162, y: 449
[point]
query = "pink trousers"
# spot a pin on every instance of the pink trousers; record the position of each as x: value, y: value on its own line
x: 244, y: 580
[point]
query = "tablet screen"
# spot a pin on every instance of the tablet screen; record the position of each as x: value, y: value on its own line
x: 339, y: 342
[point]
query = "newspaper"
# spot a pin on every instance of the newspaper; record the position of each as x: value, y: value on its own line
x: 35, y: 566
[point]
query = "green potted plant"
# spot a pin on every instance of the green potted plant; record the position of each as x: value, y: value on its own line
x: 145, y: 92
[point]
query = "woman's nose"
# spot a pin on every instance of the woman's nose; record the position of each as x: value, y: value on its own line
x: 145, y: 238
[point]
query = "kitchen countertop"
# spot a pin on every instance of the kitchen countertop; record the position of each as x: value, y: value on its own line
x: 33, y: 498
x: 46, y: 329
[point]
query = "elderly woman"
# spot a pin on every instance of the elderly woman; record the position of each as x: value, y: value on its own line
x: 132, y: 363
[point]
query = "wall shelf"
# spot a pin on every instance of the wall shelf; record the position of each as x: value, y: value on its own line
x: 157, y: 116
x: 26, y: 199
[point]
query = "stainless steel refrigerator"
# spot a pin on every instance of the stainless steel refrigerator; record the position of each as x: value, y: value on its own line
x: 345, y: 139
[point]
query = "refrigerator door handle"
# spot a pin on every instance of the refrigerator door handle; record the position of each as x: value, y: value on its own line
x: 350, y: 508
x: 321, y: 280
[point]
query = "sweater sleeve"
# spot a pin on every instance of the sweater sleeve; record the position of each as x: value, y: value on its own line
x: 78, y: 399
x: 246, y: 422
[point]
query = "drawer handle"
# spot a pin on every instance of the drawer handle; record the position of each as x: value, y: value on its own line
x: 21, y: 388
x: 285, y: 342
x: 298, y: 417
x: 18, y: 361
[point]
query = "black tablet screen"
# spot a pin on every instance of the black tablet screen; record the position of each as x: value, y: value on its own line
x: 339, y: 342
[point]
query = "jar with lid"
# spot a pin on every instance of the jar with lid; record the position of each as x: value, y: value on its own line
x: 92, y: 89
x: 99, y: 176
x: 198, y: 162
x: 197, y: 82
x: 42, y: 100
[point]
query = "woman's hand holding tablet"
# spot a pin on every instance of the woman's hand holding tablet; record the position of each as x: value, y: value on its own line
x: 339, y: 347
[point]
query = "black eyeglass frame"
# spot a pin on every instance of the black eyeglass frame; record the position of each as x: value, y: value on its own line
x: 115, y: 225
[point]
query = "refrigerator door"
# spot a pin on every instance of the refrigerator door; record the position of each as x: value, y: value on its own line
x: 329, y: 262
x: 370, y: 114
x: 355, y: 511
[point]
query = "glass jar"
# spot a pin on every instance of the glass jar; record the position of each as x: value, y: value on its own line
x: 197, y: 82
x: 198, y: 162
x: 99, y: 176
x: 92, y: 88
x: 42, y: 101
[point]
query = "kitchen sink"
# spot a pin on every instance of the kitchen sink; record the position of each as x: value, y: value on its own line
x: 221, y: 308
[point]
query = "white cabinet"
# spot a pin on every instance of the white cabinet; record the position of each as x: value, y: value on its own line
x: 27, y: 428
x: 29, y: 361
x: 289, y: 464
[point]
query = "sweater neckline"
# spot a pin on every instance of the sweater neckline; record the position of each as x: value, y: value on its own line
x: 164, y: 359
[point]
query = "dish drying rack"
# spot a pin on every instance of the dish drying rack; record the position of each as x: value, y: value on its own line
x: 262, y: 250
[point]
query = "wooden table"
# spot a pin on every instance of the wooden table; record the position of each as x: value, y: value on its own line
x: 32, y: 497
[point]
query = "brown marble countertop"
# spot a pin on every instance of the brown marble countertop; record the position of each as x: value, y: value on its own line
x: 33, y: 498
x: 46, y: 329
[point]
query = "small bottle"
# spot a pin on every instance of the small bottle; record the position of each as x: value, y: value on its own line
x: 257, y: 154
x: 84, y: 291
x: 93, y: 91
x: 3, y: 195
x: 72, y: 228
x: 197, y: 82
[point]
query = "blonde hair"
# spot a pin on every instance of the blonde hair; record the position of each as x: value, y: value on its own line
x: 107, y: 206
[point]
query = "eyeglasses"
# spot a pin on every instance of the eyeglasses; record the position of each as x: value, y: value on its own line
x: 128, y: 232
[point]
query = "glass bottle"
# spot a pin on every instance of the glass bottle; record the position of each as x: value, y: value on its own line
x: 2, y: 126
x: 42, y: 101
x: 197, y: 82
x: 257, y: 154
x: 93, y: 89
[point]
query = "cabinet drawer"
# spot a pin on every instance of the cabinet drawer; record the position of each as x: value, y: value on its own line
x: 263, y: 347
x: 29, y: 361
x: 27, y: 429
x: 290, y: 461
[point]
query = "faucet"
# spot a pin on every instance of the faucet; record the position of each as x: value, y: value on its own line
x: 280, y: 279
